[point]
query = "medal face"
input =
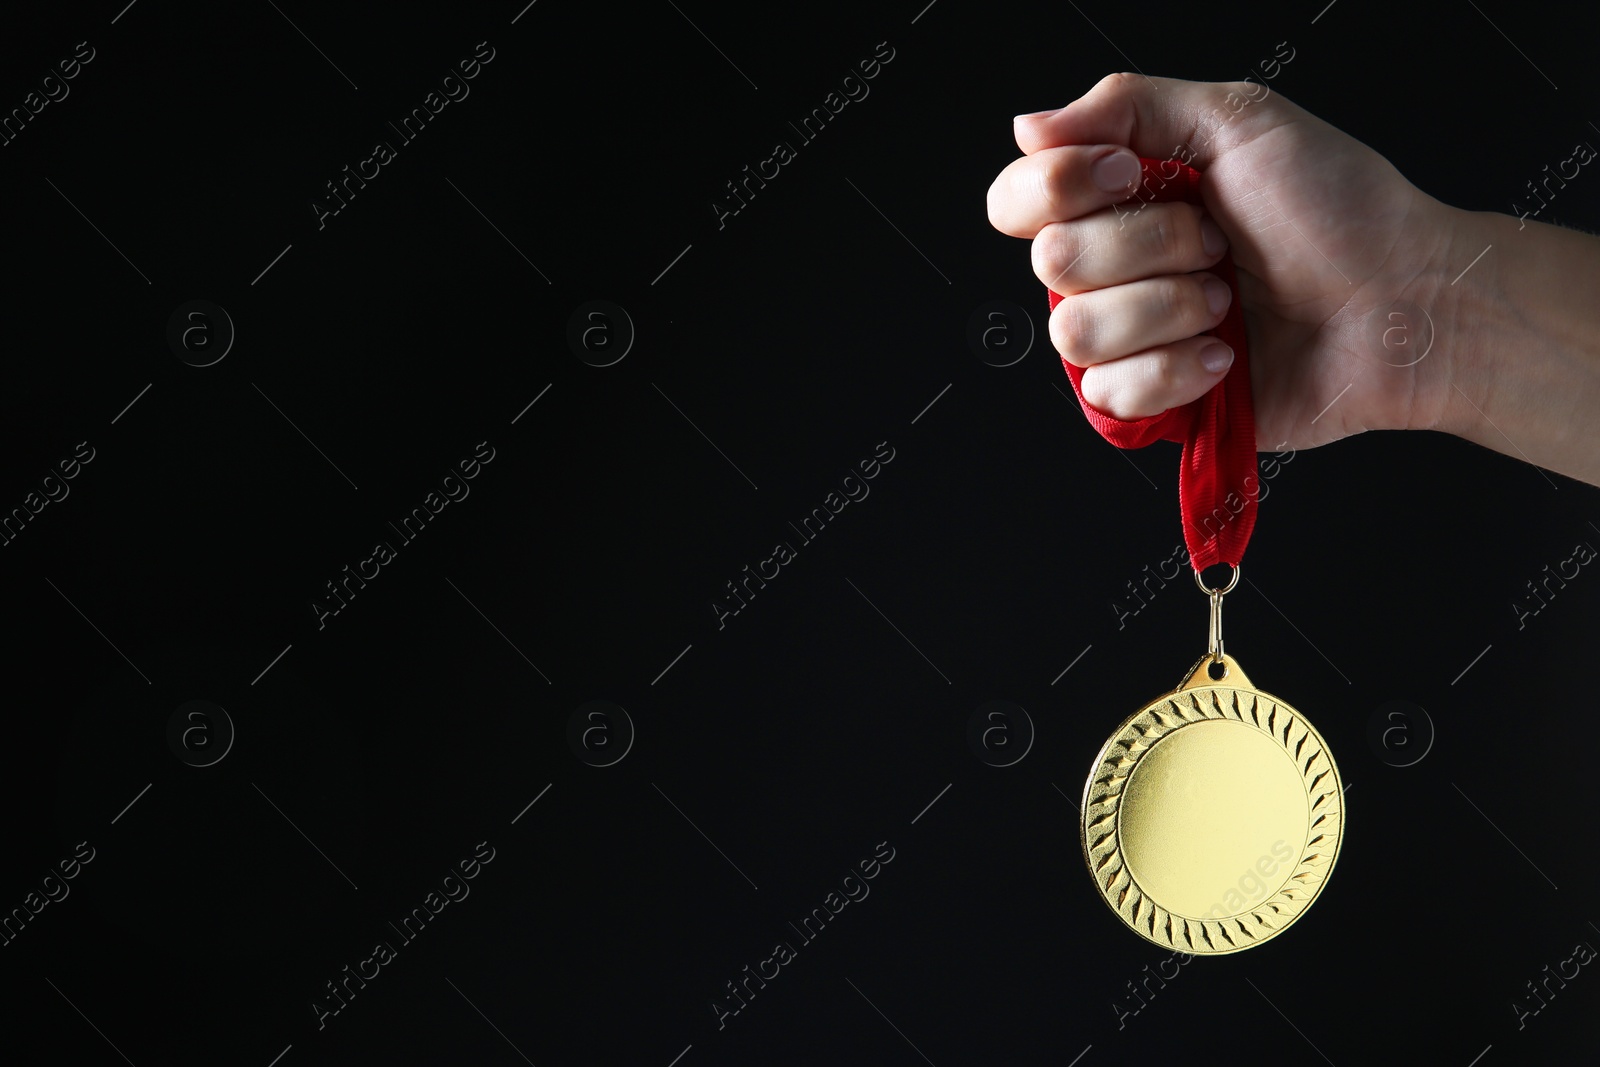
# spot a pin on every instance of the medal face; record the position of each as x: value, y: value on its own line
x: 1213, y: 816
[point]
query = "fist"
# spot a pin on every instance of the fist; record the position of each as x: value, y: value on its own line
x: 1134, y: 279
x: 1326, y: 238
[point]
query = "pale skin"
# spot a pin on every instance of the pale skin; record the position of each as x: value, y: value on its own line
x: 1335, y: 253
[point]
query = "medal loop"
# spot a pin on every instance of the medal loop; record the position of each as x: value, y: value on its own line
x: 1216, y: 620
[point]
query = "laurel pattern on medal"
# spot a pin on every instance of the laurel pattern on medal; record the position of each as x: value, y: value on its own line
x: 1103, y: 796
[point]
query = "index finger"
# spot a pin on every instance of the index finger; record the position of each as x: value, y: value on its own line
x: 1058, y: 184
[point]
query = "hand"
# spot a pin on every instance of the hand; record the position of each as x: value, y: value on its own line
x: 1326, y: 236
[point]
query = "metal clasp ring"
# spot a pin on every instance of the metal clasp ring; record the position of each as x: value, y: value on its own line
x: 1216, y: 596
x: 1225, y: 589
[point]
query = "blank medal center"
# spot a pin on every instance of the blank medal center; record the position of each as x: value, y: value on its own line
x: 1202, y: 810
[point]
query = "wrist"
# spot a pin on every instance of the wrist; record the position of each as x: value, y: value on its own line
x: 1522, y: 333
x: 1472, y: 319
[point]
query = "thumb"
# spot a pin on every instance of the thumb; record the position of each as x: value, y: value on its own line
x: 1159, y: 118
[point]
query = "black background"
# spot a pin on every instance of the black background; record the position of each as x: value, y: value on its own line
x: 773, y: 754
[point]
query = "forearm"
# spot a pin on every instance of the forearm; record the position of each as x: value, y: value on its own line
x: 1522, y: 327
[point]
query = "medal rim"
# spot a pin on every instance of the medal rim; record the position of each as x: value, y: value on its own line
x: 1235, y: 680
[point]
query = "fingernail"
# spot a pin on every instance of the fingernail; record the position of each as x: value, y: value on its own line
x: 1218, y: 295
x: 1216, y: 358
x: 1211, y: 237
x: 1116, y: 171
x: 1036, y: 114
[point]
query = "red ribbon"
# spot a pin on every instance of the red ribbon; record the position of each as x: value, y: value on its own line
x: 1217, y: 482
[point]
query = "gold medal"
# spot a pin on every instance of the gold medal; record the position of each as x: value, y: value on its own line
x: 1212, y: 817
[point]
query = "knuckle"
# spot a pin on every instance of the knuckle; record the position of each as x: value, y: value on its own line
x: 1097, y: 390
x: 1129, y: 89
x: 1052, y: 179
x: 1104, y: 394
x: 1006, y: 202
x: 1167, y: 237
x: 1165, y: 374
x: 1116, y: 84
x: 1232, y: 90
x: 1072, y: 331
x: 1053, y: 252
x: 995, y: 203
x: 1190, y: 303
x: 1174, y: 299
